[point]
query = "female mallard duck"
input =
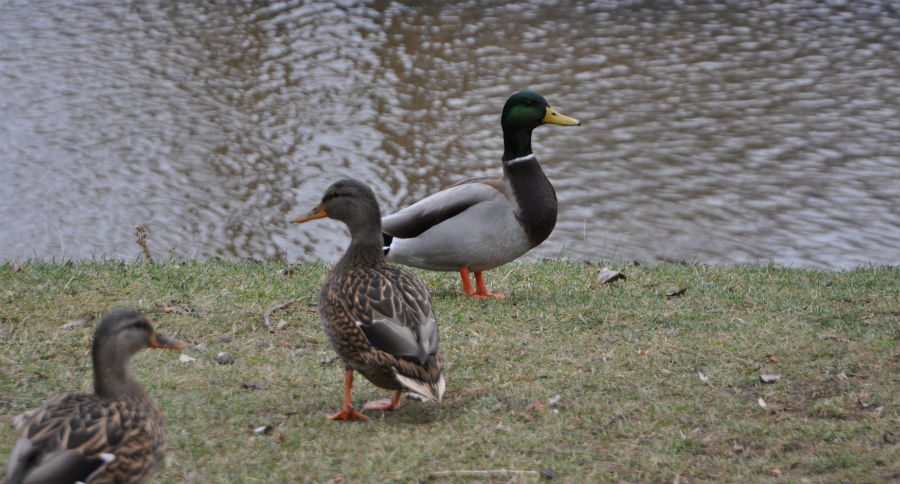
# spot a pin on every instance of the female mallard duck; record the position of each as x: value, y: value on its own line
x: 482, y: 223
x: 379, y: 318
x: 112, y: 435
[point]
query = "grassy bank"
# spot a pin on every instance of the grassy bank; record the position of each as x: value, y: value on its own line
x: 575, y: 379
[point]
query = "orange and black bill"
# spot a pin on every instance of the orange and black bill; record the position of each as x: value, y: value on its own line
x: 162, y: 341
x: 318, y: 212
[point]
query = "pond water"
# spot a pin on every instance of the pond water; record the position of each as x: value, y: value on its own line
x: 741, y: 132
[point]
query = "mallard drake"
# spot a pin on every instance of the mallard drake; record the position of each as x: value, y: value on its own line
x: 112, y: 435
x: 483, y: 223
x: 379, y: 318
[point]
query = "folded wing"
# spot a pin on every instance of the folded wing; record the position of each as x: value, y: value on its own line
x: 430, y: 211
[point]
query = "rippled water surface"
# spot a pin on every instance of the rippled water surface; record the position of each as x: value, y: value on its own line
x: 748, y: 132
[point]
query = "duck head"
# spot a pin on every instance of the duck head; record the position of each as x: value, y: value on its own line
x: 349, y: 201
x: 127, y: 331
x: 523, y: 112
x: 353, y: 203
x: 527, y: 110
x: 118, y: 337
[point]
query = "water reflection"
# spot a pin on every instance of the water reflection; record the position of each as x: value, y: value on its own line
x: 725, y: 133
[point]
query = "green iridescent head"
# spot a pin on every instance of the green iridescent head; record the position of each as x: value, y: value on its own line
x: 527, y: 110
x: 523, y: 112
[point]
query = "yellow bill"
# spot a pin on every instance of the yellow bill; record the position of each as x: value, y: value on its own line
x: 553, y: 117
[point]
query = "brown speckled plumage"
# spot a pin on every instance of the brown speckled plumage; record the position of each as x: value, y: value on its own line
x: 114, y: 435
x: 353, y: 297
x: 379, y: 318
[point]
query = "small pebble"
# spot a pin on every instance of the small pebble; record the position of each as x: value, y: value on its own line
x: 607, y: 276
x: 223, y: 358
x: 769, y: 378
x: 226, y: 338
x: 74, y: 323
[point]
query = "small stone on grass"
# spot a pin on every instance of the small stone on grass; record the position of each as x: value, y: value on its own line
x: 766, y: 378
x: 607, y: 276
x: 74, y: 323
x: 224, y: 358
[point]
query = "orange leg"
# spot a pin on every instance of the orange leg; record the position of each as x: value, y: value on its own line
x: 467, y: 283
x: 385, y: 404
x: 482, y: 291
x: 347, y: 412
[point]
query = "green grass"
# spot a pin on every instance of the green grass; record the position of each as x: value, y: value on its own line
x: 623, y: 358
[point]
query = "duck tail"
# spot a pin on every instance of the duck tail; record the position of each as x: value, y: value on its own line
x: 428, y: 391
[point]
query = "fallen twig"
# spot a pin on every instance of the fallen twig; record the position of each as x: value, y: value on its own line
x: 141, y: 232
x: 268, y: 314
x: 484, y: 474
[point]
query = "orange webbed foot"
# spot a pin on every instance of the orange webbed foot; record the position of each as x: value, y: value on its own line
x: 349, y: 415
x: 482, y: 291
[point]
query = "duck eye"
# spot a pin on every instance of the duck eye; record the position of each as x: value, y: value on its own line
x: 335, y: 194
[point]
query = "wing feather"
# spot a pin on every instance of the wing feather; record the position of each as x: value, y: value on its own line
x: 401, y: 320
x: 432, y: 210
x: 74, y: 437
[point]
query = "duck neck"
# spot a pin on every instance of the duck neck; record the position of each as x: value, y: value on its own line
x: 366, y: 244
x: 535, y: 196
x: 516, y: 143
x: 112, y: 374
